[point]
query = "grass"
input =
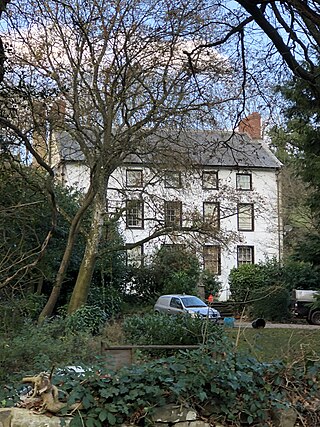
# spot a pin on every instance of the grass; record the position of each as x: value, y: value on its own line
x: 278, y: 344
x: 264, y: 344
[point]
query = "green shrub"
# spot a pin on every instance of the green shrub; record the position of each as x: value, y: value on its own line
x: 226, y: 387
x: 87, y: 318
x: 211, y: 283
x: 300, y: 275
x: 269, y: 284
x: 15, y: 312
x: 270, y: 303
x: 37, y: 348
x: 180, y: 283
x: 162, y: 329
x: 108, y: 299
x: 175, y: 269
x: 243, y: 280
x: 141, y: 285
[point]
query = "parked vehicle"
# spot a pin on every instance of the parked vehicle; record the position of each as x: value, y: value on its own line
x: 302, y: 305
x: 188, y: 304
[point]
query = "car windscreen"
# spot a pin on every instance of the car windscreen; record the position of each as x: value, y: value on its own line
x: 192, y: 302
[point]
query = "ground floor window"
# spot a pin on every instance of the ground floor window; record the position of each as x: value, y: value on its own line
x: 245, y: 255
x: 212, y: 258
x: 135, y: 255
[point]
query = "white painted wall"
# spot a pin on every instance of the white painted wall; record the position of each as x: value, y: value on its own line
x: 266, y: 237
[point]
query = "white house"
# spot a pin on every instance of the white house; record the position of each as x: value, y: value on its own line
x: 217, y: 192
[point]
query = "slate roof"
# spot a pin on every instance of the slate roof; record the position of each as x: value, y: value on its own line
x: 203, y: 148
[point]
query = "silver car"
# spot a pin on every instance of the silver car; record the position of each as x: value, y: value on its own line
x: 190, y: 304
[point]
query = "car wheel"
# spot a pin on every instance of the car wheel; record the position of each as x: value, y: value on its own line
x: 315, y: 317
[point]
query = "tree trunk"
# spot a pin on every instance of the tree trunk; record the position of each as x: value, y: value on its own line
x: 81, y: 289
x: 73, y: 232
x: 3, y: 5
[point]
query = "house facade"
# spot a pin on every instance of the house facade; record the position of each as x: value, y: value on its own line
x: 217, y: 193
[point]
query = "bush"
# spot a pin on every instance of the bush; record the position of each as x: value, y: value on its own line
x: 211, y: 283
x: 244, y: 280
x: 180, y: 283
x: 224, y: 386
x: 88, y: 318
x: 161, y: 329
x: 270, y: 303
x: 300, y: 275
x: 176, y: 270
x: 141, y: 285
x: 37, y: 348
x: 108, y: 299
x: 16, y: 311
x: 269, y: 285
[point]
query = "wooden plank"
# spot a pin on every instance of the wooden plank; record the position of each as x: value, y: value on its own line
x: 117, y: 358
x: 123, y: 355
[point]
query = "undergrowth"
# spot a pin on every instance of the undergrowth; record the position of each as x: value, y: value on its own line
x: 222, y: 385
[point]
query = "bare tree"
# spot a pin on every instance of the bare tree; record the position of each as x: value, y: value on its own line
x: 111, y: 75
x: 293, y: 28
x: 123, y: 71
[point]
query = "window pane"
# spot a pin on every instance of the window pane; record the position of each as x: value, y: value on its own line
x: 244, y: 181
x: 245, y: 255
x: 210, y: 180
x: 212, y: 259
x: 172, y: 213
x: 245, y: 217
x: 172, y: 179
x: 134, y: 214
x: 134, y: 178
x: 211, y: 214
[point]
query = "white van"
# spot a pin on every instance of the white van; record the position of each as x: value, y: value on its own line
x: 177, y: 304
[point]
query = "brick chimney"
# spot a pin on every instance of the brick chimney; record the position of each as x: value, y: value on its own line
x: 57, y: 113
x: 251, y: 125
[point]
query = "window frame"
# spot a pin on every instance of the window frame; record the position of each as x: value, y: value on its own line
x: 141, y: 209
x: 128, y: 171
x: 217, y: 262
x: 177, y: 222
x: 209, y: 187
x: 175, y: 302
x: 204, y: 216
x: 238, y: 187
x: 244, y: 262
x: 240, y: 206
x: 135, y: 262
x: 172, y: 173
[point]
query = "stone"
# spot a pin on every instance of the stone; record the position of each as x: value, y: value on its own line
x: 18, y: 417
x: 196, y: 423
x: 285, y: 417
x: 173, y: 414
x: 5, y: 416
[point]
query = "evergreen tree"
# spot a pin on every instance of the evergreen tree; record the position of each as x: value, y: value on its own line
x: 297, y: 141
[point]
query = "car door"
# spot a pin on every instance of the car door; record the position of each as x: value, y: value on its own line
x: 176, y: 306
